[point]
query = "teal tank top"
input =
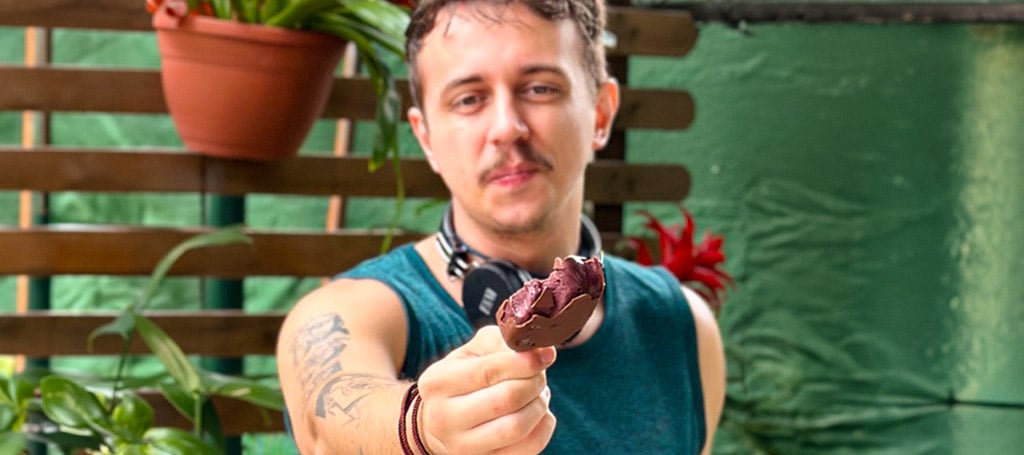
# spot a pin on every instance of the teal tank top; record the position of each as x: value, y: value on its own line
x: 634, y: 387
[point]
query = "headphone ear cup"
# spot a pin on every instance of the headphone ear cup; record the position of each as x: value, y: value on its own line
x: 485, y: 287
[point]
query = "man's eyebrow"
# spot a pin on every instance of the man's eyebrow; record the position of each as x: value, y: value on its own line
x: 455, y: 83
x: 535, y: 69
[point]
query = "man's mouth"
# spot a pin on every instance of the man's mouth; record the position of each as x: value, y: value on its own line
x: 512, y: 175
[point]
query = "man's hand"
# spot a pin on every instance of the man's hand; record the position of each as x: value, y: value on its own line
x: 485, y: 398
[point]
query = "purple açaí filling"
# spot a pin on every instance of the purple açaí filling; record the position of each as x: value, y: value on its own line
x: 569, y: 279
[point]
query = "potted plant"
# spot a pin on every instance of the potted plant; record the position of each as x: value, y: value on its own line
x: 85, y: 414
x: 247, y: 78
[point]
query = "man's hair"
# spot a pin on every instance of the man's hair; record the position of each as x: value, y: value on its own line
x: 587, y: 15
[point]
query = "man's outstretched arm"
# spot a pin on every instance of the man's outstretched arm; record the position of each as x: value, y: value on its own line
x: 338, y: 363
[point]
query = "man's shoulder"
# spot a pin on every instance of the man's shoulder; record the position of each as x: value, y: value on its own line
x: 629, y: 273
x: 382, y: 265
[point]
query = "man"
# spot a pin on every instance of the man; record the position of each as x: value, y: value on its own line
x: 512, y: 103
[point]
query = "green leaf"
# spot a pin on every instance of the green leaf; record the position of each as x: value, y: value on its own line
x: 297, y: 13
x: 70, y: 442
x: 169, y: 353
x: 389, y: 20
x: 12, y: 442
x: 143, y: 382
x: 211, y: 426
x: 134, y: 415
x: 250, y: 12
x: 5, y: 384
x: 15, y: 391
x: 270, y: 8
x: 244, y: 389
x: 172, y: 441
x: 123, y: 325
x: 185, y: 403
x: 388, y: 101
x: 179, y: 398
x: 221, y: 8
x: 131, y: 449
x: 68, y: 403
x: 8, y: 416
x: 224, y: 236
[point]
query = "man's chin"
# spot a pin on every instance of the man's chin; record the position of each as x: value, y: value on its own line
x: 519, y: 221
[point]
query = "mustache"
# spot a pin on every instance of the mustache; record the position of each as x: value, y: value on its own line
x: 522, y: 150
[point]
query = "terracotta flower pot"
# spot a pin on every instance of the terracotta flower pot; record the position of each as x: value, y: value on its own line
x: 243, y: 91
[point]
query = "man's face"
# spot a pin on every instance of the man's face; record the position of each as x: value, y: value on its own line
x: 509, y: 116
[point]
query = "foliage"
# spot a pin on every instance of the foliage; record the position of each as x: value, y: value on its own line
x: 696, y: 264
x: 108, y: 415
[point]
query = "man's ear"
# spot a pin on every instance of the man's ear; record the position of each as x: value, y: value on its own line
x: 418, y: 122
x: 606, y: 107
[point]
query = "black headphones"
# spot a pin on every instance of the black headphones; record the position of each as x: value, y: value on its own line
x: 488, y: 283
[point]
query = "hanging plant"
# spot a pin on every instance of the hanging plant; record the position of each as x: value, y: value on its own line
x: 375, y: 27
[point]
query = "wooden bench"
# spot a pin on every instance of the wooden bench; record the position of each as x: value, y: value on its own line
x: 53, y: 250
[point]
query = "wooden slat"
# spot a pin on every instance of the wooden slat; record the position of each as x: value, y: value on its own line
x: 81, y: 90
x: 101, y: 14
x: 138, y: 91
x: 639, y: 31
x: 237, y: 417
x: 223, y: 333
x: 168, y: 171
x: 122, y: 250
x: 117, y: 171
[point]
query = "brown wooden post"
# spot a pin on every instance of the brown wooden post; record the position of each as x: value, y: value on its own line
x: 33, y: 293
x: 336, y: 205
x: 609, y: 217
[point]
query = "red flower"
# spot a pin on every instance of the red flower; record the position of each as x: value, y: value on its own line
x: 690, y: 264
x: 409, y: 4
x: 179, y: 8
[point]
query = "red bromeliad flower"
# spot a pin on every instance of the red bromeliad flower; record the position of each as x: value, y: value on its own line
x: 689, y: 263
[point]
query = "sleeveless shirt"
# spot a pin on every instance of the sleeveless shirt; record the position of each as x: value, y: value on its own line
x: 634, y: 387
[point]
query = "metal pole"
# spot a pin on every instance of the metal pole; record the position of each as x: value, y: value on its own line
x: 225, y: 294
x: 871, y: 13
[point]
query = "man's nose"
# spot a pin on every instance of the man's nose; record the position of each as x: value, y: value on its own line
x: 507, y: 123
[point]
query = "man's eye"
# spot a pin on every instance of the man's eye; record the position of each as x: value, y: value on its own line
x: 466, y: 101
x: 541, y: 92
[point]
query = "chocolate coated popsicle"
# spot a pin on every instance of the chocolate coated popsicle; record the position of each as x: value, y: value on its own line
x: 550, y: 311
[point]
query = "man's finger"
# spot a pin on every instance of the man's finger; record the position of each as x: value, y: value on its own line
x: 510, y: 429
x: 492, y: 402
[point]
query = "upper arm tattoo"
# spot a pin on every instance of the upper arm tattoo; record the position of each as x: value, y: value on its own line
x: 316, y: 353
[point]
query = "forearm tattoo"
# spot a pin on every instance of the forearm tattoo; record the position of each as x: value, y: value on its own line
x: 316, y: 353
x: 342, y: 395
